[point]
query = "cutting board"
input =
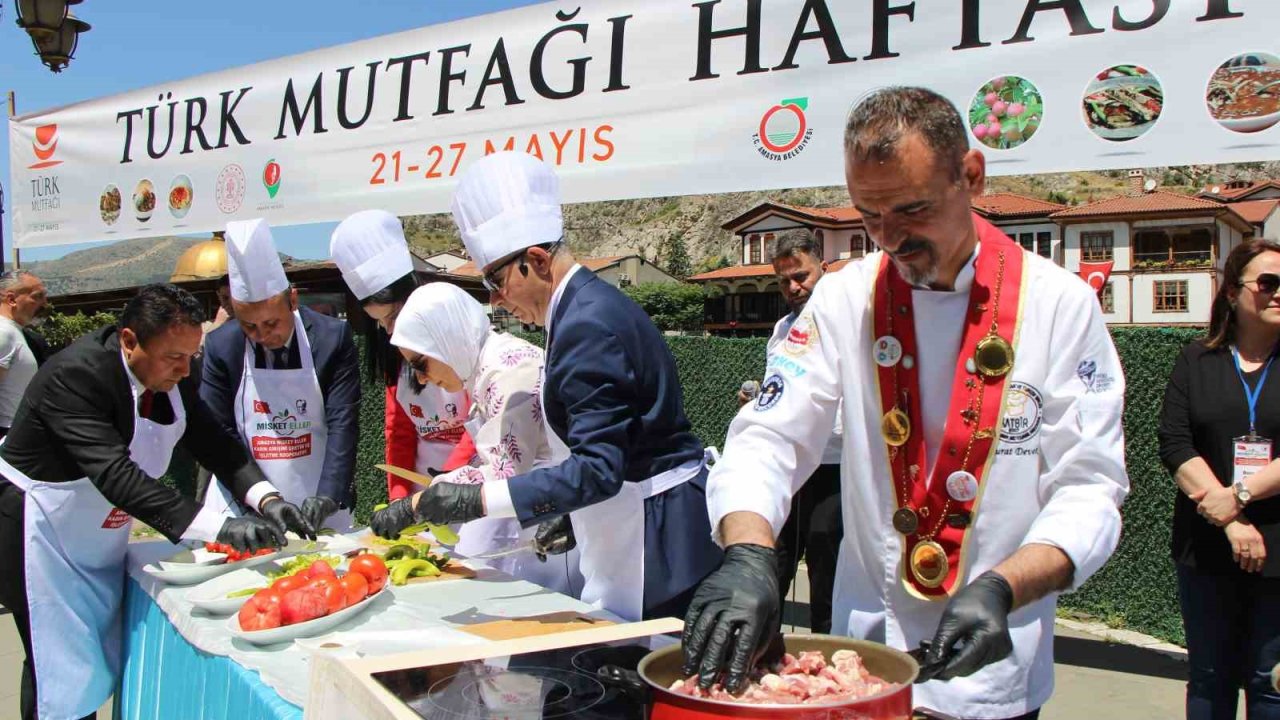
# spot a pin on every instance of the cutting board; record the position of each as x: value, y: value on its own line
x: 535, y: 626
x: 452, y: 571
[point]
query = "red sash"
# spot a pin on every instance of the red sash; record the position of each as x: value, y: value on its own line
x: 933, y: 545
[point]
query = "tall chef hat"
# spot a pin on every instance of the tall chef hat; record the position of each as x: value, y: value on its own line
x: 506, y: 202
x: 252, y: 262
x: 370, y: 250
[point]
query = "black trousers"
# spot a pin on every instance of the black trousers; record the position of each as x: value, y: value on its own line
x: 13, y: 587
x: 813, y: 530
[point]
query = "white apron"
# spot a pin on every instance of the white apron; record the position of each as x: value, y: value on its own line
x: 75, y: 552
x: 610, y: 537
x: 280, y: 415
x: 437, y: 417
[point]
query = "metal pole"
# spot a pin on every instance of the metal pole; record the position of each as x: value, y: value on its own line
x: 17, y: 260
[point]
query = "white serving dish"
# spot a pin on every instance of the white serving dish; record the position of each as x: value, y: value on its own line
x: 310, y: 628
x: 211, y: 596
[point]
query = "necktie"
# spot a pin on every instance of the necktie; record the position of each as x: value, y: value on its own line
x: 280, y: 358
x: 144, y: 410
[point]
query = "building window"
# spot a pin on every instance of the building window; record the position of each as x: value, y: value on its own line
x: 767, y: 246
x: 1169, y: 296
x: 857, y: 245
x: 1027, y: 241
x: 1108, y: 298
x: 1173, y: 246
x: 753, y: 249
x: 1097, y: 246
x: 1044, y: 244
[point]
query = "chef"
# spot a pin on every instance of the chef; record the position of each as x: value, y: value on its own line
x: 287, y: 380
x: 425, y: 430
x: 633, y: 481
x: 91, y: 437
x: 983, y: 464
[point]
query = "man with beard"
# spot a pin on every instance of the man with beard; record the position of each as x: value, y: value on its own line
x: 964, y: 521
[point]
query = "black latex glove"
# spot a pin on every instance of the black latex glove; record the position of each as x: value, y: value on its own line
x: 286, y: 516
x: 554, y: 537
x: 250, y: 533
x: 390, y: 520
x: 974, y: 629
x: 450, y: 503
x: 734, y: 618
x: 317, y: 508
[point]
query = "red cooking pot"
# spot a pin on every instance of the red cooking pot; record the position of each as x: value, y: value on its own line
x: 661, y: 668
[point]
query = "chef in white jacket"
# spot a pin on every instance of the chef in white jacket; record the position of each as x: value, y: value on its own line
x: 983, y: 463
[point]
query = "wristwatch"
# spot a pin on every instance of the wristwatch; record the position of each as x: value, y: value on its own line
x: 1243, y: 496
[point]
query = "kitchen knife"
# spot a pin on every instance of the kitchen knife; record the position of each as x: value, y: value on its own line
x: 411, y: 476
x: 513, y: 550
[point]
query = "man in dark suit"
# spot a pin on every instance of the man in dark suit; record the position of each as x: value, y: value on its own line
x: 286, y: 379
x: 634, y: 481
x: 93, y: 433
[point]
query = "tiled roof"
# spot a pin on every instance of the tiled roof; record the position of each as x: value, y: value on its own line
x: 1160, y: 201
x: 467, y: 269
x: 998, y: 206
x: 822, y: 217
x: 738, y: 272
x: 834, y: 214
x: 1230, y: 194
x: 1255, y: 211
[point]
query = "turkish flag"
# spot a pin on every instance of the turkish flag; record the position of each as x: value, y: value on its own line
x: 260, y: 406
x: 1096, y: 274
x: 415, y: 410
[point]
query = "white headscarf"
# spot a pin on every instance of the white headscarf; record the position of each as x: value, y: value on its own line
x: 370, y: 250
x: 253, y: 265
x: 506, y: 202
x: 444, y: 323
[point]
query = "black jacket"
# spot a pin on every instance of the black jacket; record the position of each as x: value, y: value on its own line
x: 76, y: 420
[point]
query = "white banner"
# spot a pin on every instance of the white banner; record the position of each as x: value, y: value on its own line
x: 639, y: 98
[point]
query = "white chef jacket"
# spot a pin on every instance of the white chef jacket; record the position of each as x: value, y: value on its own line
x: 835, y: 444
x: 1058, y: 476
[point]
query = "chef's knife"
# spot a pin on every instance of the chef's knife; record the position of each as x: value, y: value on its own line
x: 411, y: 476
x: 513, y: 550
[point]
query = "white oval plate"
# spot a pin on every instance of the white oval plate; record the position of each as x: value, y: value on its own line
x: 310, y: 628
x: 212, y: 597
x: 186, y: 574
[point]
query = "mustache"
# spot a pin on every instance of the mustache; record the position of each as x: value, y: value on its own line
x: 912, y: 245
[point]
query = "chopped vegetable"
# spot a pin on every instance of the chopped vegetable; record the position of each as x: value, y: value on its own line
x: 300, y: 563
x: 243, y: 593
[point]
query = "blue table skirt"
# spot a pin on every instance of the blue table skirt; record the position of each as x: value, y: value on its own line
x: 165, y: 677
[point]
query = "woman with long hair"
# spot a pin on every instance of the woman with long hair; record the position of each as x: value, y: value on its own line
x: 445, y: 338
x: 1218, y: 433
x: 424, y: 425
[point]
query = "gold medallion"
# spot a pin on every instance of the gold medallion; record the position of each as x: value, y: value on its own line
x: 993, y: 356
x: 929, y: 564
x: 906, y: 521
x: 895, y: 427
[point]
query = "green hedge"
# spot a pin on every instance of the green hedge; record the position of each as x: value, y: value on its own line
x: 1136, y: 588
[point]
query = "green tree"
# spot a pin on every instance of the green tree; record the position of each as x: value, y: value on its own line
x: 61, y: 329
x: 676, y: 256
x: 712, y: 263
x: 672, y: 306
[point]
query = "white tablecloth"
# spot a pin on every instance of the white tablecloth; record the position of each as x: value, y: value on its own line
x: 412, y: 617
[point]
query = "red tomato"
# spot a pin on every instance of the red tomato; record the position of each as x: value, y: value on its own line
x: 211, y: 547
x: 263, y: 551
x: 335, y: 597
x: 262, y: 611
x: 355, y: 586
x: 303, y: 604
x: 286, y: 585
x: 320, y: 568
x: 373, y: 570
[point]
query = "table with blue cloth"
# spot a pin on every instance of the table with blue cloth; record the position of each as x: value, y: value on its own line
x: 180, y: 662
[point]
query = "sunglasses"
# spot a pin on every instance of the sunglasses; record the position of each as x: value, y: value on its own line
x: 419, y: 365
x: 1266, y: 283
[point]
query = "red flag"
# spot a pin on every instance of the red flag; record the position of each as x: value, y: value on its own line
x: 415, y: 410
x: 261, y: 407
x: 1096, y: 274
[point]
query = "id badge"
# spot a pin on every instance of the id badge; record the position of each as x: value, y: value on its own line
x: 1252, y: 453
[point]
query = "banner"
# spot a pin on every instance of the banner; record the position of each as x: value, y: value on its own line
x: 1096, y: 274
x: 641, y: 98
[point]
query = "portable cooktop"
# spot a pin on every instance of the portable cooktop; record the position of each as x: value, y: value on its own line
x: 541, y: 685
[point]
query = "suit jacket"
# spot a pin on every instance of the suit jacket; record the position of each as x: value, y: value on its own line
x: 76, y: 420
x: 338, y: 370
x: 613, y: 397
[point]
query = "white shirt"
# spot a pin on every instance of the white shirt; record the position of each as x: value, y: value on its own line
x: 1058, y: 475
x: 835, y: 444
x: 20, y: 366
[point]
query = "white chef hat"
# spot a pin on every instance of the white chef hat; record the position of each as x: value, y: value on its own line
x: 252, y: 262
x: 370, y: 250
x: 444, y: 323
x: 506, y: 202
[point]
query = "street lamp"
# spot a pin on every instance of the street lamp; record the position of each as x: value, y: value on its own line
x: 54, y: 31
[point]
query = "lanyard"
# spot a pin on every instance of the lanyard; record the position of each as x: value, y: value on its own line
x: 1251, y: 396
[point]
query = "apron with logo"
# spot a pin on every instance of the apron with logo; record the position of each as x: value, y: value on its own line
x: 75, y: 563
x: 437, y: 417
x: 611, y: 537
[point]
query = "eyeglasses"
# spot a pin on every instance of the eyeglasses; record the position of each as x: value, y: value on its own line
x: 1267, y: 283
x: 492, y: 280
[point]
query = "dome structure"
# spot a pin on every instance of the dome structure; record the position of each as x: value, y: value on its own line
x: 202, y: 261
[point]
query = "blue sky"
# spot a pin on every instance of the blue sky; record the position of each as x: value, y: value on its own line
x: 135, y: 43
